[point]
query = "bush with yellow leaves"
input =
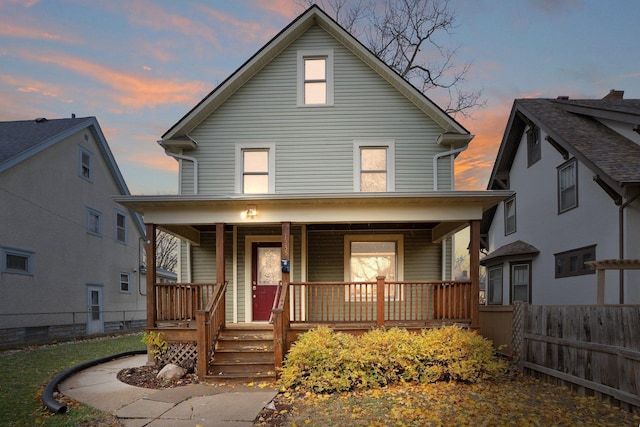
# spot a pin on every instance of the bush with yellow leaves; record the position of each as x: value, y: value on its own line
x: 324, y: 361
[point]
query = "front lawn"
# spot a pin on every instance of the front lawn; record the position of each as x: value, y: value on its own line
x: 25, y: 373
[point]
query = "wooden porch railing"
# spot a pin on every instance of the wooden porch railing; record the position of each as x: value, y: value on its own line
x: 210, y: 321
x: 179, y: 302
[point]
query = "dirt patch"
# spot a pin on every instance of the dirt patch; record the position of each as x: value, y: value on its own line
x: 146, y: 376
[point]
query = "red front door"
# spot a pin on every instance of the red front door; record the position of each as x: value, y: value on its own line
x: 265, y: 277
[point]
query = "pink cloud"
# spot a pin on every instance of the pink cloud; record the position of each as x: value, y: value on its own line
x: 287, y: 8
x: 128, y: 90
x: 22, y: 32
x: 247, y: 32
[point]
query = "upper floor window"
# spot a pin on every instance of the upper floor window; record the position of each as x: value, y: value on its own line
x: 572, y: 263
x: 534, y: 151
x: 121, y: 227
x: 255, y: 166
x: 85, y: 167
x: 373, y: 167
x: 94, y: 222
x: 125, y: 278
x: 510, y: 215
x: 315, y: 77
x: 17, y: 261
x: 567, y: 186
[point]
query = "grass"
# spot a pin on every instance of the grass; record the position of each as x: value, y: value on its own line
x: 25, y: 373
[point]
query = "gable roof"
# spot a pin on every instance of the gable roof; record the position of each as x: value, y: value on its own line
x: 574, y: 126
x: 20, y: 140
x: 177, y: 135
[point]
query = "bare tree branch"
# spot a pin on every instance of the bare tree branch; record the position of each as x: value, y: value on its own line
x: 166, y: 251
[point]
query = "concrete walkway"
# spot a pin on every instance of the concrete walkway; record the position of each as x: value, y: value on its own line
x: 191, y: 405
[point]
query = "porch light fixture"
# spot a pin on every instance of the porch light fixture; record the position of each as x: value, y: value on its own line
x: 251, y: 212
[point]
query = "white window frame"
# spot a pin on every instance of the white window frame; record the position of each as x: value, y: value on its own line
x: 310, y: 54
x: 83, y: 150
x: 249, y: 146
x: 20, y: 253
x: 493, y: 296
x: 91, y: 213
x: 399, y: 241
x: 358, y: 145
x: 125, y: 228
x: 571, y: 163
x: 507, y: 230
x: 128, y: 282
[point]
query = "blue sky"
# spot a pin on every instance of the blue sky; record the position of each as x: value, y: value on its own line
x: 140, y: 65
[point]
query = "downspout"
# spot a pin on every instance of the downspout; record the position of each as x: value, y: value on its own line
x: 188, y: 158
x: 621, y: 240
x: 439, y: 156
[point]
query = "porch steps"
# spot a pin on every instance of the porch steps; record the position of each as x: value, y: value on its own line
x: 243, y: 353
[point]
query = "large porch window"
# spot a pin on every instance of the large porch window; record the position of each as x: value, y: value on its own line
x: 366, y: 258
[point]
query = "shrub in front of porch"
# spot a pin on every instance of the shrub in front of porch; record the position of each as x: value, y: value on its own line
x: 324, y: 361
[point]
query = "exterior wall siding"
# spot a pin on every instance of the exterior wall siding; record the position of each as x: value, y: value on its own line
x: 314, y: 145
x: 539, y: 224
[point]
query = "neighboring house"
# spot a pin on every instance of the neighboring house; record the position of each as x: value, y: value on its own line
x: 314, y: 162
x: 70, y: 255
x: 574, y: 168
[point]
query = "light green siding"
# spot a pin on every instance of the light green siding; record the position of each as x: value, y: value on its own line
x: 314, y: 145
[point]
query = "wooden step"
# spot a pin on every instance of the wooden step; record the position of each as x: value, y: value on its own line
x: 243, y: 354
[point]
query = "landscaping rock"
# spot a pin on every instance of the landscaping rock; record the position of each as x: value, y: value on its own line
x: 171, y: 372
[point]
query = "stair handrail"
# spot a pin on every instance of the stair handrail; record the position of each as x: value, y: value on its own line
x: 280, y: 316
x: 210, y: 322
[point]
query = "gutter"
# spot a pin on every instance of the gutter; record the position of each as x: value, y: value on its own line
x: 438, y: 157
x: 183, y: 157
x: 621, y: 240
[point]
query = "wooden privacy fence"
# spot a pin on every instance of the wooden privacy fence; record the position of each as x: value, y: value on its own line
x: 591, y: 349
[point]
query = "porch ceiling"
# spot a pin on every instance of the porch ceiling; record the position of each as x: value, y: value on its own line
x: 448, y: 210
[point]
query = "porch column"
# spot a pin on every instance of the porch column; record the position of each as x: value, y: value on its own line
x: 474, y: 267
x: 220, y: 264
x: 150, y: 247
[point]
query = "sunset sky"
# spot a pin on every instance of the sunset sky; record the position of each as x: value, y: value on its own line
x: 139, y: 66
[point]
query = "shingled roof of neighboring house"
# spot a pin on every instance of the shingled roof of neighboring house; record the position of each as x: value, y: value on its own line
x: 17, y: 138
x: 517, y: 248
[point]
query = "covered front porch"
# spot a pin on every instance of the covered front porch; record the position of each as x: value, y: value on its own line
x: 316, y: 239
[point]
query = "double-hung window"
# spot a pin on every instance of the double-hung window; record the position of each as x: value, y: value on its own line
x: 567, y: 186
x: 520, y: 282
x: 121, y: 227
x: 494, y: 290
x: 85, y: 164
x: 510, y: 215
x: 125, y: 278
x: 17, y: 261
x: 373, y: 167
x: 94, y: 222
x: 315, y: 77
x: 255, y: 166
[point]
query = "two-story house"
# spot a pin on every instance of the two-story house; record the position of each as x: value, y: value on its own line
x: 317, y: 167
x: 574, y: 166
x: 70, y: 256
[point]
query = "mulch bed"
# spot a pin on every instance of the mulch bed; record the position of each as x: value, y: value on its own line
x: 146, y: 376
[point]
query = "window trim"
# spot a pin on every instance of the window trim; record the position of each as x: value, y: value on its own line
x: 250, y: 146
x: 534, y: 151
x: 572, y: 162
x: 84, y: 150
x: 98, y: 214
x: 302, y: 55
x: 529, y: 284
x: 500, y: 268
x: 30, y: 255
x: 125, y: 228
x: 128, y: 290
x: 389, y: 145
x: 511, y: 199
x: 578, y: 252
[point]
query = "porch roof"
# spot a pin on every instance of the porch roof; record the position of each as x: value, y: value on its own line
x: 451, y: 210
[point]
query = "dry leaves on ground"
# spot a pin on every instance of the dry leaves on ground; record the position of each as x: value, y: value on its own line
x: 520, y: 402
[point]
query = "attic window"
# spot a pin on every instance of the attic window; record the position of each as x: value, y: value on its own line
x: 85, y: 166
x: 315, y: 78
x: 534, y: 152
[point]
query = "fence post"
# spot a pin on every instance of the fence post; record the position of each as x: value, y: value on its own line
x: 380, y: 301
x: 202, y: 345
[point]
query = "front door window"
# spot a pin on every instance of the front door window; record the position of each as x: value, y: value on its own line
x: 267, y: 275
